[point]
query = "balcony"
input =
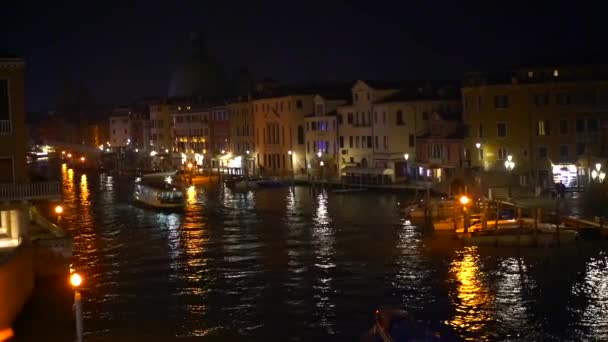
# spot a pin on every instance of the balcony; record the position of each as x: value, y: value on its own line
x: 5, y: 127
x: 31, y: 191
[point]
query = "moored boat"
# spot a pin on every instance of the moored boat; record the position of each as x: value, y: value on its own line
x: 520, y: 233
x: 438, y: 209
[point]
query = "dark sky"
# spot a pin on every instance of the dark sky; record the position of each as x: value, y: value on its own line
x: 124, y: 50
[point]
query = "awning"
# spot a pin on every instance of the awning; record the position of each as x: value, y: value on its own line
x: 367, y: 171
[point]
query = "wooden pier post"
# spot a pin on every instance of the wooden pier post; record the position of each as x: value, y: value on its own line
x: 496, y: 223
x: 536, y: 218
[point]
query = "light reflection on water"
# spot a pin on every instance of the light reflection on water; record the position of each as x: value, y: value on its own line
x: 295, y: 264
x: 323, y: 245
x: 472, y: 298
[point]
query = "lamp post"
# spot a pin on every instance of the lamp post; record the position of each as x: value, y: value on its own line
x: 76, y: 281
x: 509, y: 165
x: 464, y: 201
x: 293, y: 174
x: 58, y: 211
x: 406, y: 157
x: 598, y: 175
x: 190, y: 166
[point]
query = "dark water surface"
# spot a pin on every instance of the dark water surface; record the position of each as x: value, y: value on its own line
x: 293, y: 264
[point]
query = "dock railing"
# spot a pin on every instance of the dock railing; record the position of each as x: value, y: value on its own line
x: 29, y: 191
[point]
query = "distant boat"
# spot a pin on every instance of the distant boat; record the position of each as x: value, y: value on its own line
x: 159, y: 191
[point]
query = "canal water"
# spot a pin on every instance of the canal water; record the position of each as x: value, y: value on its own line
x: 300, y: 265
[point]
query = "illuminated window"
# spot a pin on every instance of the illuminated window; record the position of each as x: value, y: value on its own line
x: 555, y: 72
x: 530, y: 74
x: 543, y: 128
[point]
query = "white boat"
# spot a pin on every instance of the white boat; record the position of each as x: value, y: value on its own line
x: 439, y: 209
x: 158, y: 191
x: 519, y: 233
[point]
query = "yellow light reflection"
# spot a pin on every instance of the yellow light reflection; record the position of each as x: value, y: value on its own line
x: 472, y: 297
x: 191, y: 195
x: 84, y: 191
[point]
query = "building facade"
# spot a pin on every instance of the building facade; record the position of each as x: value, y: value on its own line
x: 322, y: 143
x: 219, y: 126
x: 160, y: 127
x: 540, y: 118
x: 191, y: 133
x: 439, y: 151
x: 378, y: 130
x: 16, y: 190
x: 129, y: 130
x: 279, y: 129
x: 242, y: 137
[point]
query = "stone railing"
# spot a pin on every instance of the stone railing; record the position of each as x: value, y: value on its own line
x: 5, y: 126
x: 17, y: 192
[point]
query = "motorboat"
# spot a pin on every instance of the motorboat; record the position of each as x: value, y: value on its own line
x: 518, y: 232
x: 438, y: 209
x: 159, y: 190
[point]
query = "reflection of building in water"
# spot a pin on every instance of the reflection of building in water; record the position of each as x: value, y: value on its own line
x: 472, y: 298
x: 323, y: 240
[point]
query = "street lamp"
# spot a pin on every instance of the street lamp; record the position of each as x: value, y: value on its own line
x: 598, y: 174
x: 464, y: 201
x: 82, y: 159
x: 58, y: 211
x: 509, y: 165
x: 293, y: 173
x: 76, y: 281
x: 319, y: 154
x: 406, y: 156
x: 478, y: 145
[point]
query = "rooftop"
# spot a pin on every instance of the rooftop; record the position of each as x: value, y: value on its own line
x: 424, y: 91
x: 535, y: 73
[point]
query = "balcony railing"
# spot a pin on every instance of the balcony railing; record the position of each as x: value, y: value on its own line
x: 17, y: 192
x: 5, y: 126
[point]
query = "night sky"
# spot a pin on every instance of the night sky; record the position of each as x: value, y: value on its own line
x: 124, y: 50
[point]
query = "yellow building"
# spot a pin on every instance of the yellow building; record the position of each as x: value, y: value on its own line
x: 160, y: 127
x: 530, y: 121
x: 279, y: 129
x: 242, y: 136
x: 191, y: 133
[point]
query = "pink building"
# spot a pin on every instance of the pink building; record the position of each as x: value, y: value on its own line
x: 439, y: 150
